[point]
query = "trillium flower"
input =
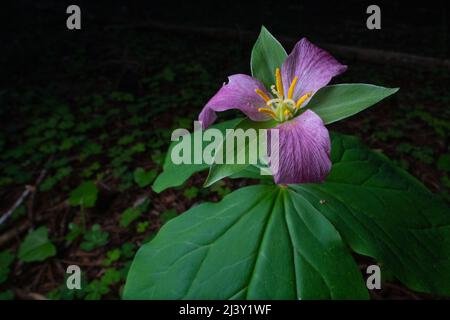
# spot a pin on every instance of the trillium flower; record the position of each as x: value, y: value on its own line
x: 304, y: 149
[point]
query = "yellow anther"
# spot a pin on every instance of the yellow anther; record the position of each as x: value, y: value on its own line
x: 262, y: 94
x: 279, y: 83
x: 292, y: 87
x: 303, y: 99
x: 287, y: 114
x: 268, y: 111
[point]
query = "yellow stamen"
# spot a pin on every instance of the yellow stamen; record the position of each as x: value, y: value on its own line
x: 262, y: 94
x: 268, y: 111
x: 272, y: 101
x: 291, y: 88
x: 303, y: 99
x: 287, y: 114
x: 279, y: 82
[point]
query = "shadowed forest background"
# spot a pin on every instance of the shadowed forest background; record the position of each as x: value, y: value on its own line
x: 86, y: 117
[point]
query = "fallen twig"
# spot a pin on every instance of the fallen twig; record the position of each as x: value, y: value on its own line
x: 28, y: 190
x: 18, y: 202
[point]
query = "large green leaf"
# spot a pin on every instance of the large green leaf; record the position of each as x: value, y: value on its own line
x: 260, y: 242
x: 174, y: 175
x: 385, y: 213
x: 270, y: 242
x: 267, y: 55
x: 337, y: 102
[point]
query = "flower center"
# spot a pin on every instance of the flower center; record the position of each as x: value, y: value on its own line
x: 282, y: 108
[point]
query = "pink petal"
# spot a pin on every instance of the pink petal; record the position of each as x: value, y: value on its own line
x: 240, y: 94
x: 304, y: 150
x: 313, y: 66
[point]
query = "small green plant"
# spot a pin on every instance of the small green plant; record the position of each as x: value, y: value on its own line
x: 128, y: 216
x: 142, y: 226
x: 191, y: 192
x: 85, y: 195
x: 98, y: 288
x: 51, y: 181
x: 133, y: 213
x: 126, y: 140
x: 89, y: 171
x: 144, y: 178
x: 94, y: 238
x: 64, y: 293
x: 74, y: 232
x: 36, y: 246
x: 111, y: 256
x: 127, y: 250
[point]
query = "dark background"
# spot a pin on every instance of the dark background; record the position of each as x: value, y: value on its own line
x: 97, y: 103
x: 31, y: 29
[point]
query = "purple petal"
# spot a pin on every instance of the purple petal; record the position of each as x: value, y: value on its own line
x: 240, y: 94
x: 304, y: 150
x: 313, y: 66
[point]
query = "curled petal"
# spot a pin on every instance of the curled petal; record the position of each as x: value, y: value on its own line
x: 313, y: 66
x: 238, y: 93
x: 304, y: 150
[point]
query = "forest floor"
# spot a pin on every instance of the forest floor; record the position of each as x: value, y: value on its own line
x: 97, y: 122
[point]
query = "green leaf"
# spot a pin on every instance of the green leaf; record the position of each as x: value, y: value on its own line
x: 111, y: 256
x: 191, y: 192
x: 133, y: 213
x: 260, y: 242
x: 74, y: 232
x: 127, y: 250
x: 85, y: 195
x: 36, y: 246
x: 267, y: 55
x: 143, y: 178
x: 383, y: 212
x: 337, y: 102
x: 174, y: 175
x: 142, y: 226
x: 96, y: 289
x: 110, y: 277
x: 218, y: 170
x: 94, y: 238
x: 271, y: 242
x: 128, y: 216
